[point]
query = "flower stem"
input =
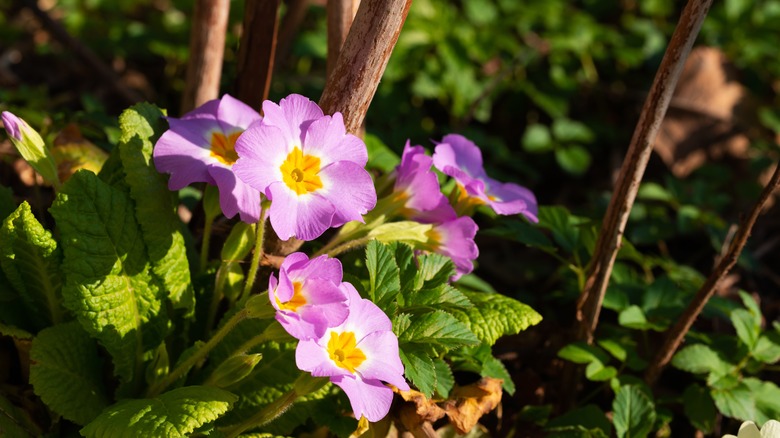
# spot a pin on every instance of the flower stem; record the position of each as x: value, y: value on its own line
x: 264, y: 416
x: 304, y: 384
x: 199, y: 355
x: 257, y: 252
x: 204, y: 250
x: 352, y: 244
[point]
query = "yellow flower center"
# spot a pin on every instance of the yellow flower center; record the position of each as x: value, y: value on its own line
x: 224, y: 148
x: 300, y: 171
x: 296, y: 301
x: 342, y: 348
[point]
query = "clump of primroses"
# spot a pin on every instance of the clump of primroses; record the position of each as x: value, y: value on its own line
x: 309, y: 173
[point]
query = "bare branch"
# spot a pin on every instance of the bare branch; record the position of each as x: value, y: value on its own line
x: 256, y: 51
x: 609, y: 241
x: 353, y: 82
x: 674, y: 335
x: 291, y: 22
x: 207, y: 50
x: 341, y: 13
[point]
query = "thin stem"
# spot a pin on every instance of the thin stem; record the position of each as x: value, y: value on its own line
x: 675, y: 335
x: 352, y: 244
x: 257, y: 253
x: 269, y: 413
x: 206, y: 242
x: 199, y: 355
x: 256, y: 51
x: 614, y: 224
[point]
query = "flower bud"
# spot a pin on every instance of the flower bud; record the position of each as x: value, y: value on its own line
x: 233, y: 370
x: 239, y: 242
x: 31, y: 147
x: 258, y: 306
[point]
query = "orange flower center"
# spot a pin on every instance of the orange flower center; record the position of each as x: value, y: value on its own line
x: 342, y: 348
x: 300, y: 171
x: 224, y: 148
x: 296, y: 301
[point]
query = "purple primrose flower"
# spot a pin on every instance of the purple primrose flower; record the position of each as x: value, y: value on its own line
x: 199, y: 147
x: 461, y: 159
x: 358, y: 355
x: 415, y: 184
x: 307, y: 297
x: 310, y: 168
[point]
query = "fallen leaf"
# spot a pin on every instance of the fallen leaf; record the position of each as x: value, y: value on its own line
x: 706, y: 119
x: 467, y: 404
x: 73, y: 152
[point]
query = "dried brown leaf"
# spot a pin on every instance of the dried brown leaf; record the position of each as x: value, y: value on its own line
x: 467, y: 404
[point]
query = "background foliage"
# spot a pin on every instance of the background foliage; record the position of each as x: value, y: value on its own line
x: 551, y: 91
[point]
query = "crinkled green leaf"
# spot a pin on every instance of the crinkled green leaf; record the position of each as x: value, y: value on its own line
x: 66, y: 372
x: 633, y: 412
x: 495, y: 315
x: 108, y: 283
x: 599, y: 372
x: 16, y: 422
x: 155, y: 209
x: 699, y: 359
x: 176, y: 413
x: 31, y: 260
x: 436, y: 332
x: 383, y: 275
x: 699, y: 407
x: 419, y: 369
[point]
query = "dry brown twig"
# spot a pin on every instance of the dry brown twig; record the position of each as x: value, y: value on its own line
x: 340, y: 13
x: 675, y: 334
x: 354, y: 80
x: 256, y: 51
x: 207, y: 50
x: 653, y: 111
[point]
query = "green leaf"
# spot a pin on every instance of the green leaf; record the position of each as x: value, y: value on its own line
x: 445, y: 381
x: 430, y: 286
x: 700, y: 359
x: 588, y: 417
x: 598, y: 372
x: 767, y: 349
x: 436, y: 332
x: 7, y: 203
x: 108, y: 283
x: 383, y: 275
x: 747, y: 329
x: 404, y: 231
x: 699, y: 407
x: 737, y: 402
x: 767, y: 399
x: 495, y: 315
x: 633, y: 317
x: 574, y: 159
x: 562, y: 224
x: 66, y: 372
x: 155, y: 209
x: 176, y: 413
x: 522, y: 232
x: 650, y: 191
x: 582, y: 353
x: 419, y: 368
x: 31, y: 259
x: 379, y: 155
x: 537, y: 139
x: 566, y: 130
x: 492, y: 367
x: 634, y: 412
